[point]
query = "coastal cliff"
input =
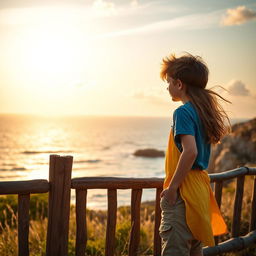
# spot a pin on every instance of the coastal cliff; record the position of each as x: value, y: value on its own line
x: 236, y: 149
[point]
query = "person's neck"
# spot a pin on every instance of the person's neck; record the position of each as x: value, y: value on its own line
x: 184, y: 99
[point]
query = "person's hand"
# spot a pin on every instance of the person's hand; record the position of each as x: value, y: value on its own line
x: 170, y: 195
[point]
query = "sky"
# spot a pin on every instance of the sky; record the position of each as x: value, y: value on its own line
x: 100, y: 57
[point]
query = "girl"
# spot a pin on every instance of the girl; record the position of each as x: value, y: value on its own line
x: 190, y: 214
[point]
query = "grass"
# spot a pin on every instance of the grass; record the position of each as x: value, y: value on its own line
x: 96, y: 225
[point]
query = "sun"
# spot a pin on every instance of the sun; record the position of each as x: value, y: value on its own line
x: 53, y: 54
x: 54, y: 60
x: 51, y: 50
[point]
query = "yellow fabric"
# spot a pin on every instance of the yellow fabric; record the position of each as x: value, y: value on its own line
x: 203, y: 215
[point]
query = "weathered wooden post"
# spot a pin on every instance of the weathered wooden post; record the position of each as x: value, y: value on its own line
x: 157, y: 238
x: 23, y: 224
x: 253, y: 210
x: 111, y: 222
x: 235, y: 226
x: 81, y: 225
x: 135, y: 222
x: 59, y: 205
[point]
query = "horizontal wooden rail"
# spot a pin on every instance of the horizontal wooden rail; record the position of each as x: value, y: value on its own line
x: 140, y: 183
x: 115, y: 183
x: 241, y: 171
x: 42, y: 186
x: 24, y: 187
x: 233, y: 244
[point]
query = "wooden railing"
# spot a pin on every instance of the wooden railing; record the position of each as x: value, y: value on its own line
x: 136, y: 185
x: 81, y: 185
x: 59, y: 189
x: 236, y: 242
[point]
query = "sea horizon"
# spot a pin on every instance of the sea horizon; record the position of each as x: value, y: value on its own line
x: 100, y: 145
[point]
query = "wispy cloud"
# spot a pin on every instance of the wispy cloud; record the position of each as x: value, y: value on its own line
x: 188, y: 22
x: 125, y: 20
x: 238, y: 88
x: 42, y: 15
x: 237, y: 16
x: 152, y: 96
x: 82, y: 14
x: 134, y: 3
x: 125, y: 17
x: 104, y: 8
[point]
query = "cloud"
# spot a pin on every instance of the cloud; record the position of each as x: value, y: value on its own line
x: 104, y: 8
x: 134, y: 3
x: 83, y: 85
x: 77, y: 15
x: 238, y: 88
x: 153, y: 96
x: 44, y: 15
x: 189, y: 22
x: 237, y: 16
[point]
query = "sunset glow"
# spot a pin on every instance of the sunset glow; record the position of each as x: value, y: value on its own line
x: 103, y: 58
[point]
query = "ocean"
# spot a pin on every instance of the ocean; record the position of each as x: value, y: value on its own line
x: 101, y: 146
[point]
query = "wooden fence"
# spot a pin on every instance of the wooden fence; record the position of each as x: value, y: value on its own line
x: 59, y: 189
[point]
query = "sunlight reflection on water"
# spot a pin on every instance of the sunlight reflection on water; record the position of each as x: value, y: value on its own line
x: 100, y: 146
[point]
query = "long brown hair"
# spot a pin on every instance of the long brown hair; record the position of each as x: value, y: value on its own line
x: 193, y: 72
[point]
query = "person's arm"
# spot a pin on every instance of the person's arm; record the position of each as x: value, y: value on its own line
x: 186, y: 160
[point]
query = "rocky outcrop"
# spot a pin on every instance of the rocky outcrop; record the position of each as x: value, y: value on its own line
x: 149, y: 152
x: 236, y: 149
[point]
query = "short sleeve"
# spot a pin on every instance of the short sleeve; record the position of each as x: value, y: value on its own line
x: 182, y: 124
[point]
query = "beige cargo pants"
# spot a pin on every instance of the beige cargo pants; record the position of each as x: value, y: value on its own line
x: 176, y: 237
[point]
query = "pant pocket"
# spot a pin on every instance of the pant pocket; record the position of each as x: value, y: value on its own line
x: 164, y: 227
x: 164, y: 203
x: 165, y: 230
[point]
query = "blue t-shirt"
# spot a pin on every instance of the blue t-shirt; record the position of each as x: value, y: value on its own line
x: 186, y: 121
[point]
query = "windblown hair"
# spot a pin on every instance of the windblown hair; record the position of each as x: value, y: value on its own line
x: 193, y: 72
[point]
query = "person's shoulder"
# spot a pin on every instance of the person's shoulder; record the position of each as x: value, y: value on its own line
x: 185, y: 109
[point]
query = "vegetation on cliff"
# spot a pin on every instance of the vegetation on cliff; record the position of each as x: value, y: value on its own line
x: 236, y: 149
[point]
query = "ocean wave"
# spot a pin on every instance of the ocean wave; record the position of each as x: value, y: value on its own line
x: 106, y: 148
x: 159, y: 173
x: 91, y: 161
x: 4, y: 169
x: 18, y: 169
x: 98, y: 196
x: 5, y: 164
x: 46, y: 152
x: 13, y: 169
x: 9, y: 176
x: 129, y: 142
